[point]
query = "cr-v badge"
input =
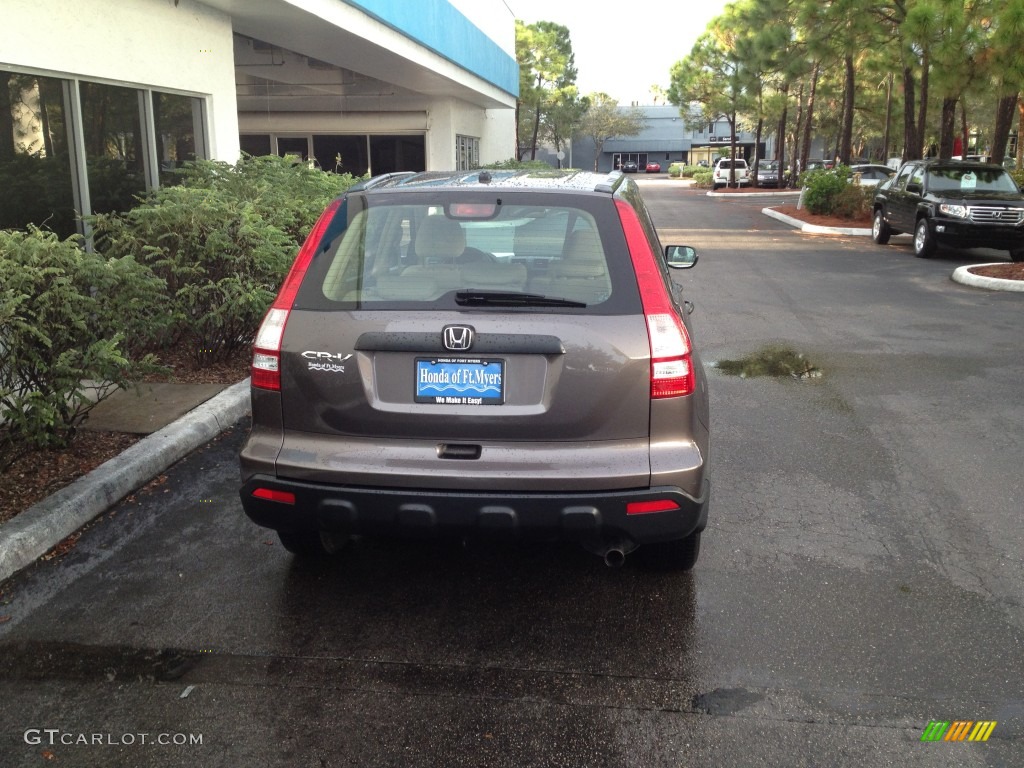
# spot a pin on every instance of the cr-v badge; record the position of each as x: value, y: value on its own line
x: 326, y: 361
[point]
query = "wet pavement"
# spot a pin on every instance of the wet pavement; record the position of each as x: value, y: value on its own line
x: 860, y: 577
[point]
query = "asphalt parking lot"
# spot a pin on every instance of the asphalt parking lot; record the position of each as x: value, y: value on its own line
x: 861, y: 576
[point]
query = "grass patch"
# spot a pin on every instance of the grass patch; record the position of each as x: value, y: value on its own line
x: 771, y: 361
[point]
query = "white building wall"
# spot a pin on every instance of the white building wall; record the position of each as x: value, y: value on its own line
x: 499, y: 137
x: 184, y: 48
x: 450, y: 117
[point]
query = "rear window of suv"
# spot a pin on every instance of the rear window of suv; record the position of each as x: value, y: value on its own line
x: 414, y: 250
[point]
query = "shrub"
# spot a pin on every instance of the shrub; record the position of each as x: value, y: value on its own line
x: 683, y: 170
x: 286, y: 194
x: 703, y: 178
x: 854, y: 202
x: 516, y: 165
x: 220, y: 260
x: 822, y: 188
x: 59, y: 351
x: 222, y: 242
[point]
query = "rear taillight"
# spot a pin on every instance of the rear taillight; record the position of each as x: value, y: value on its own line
x: 266, y: 353
x: 671, y: 363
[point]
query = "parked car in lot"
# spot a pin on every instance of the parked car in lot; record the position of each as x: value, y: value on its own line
x: 951, y: 202
x: 870, y: 174
x: 493, y: 353
x: 820, y: 165
x: 653, y: 168
x: 630, y: 167
x: 767, y: 173
x: 728, y: 172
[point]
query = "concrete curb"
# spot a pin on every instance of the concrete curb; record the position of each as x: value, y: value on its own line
x: 814, y: 228
x: 744, y: 195
x: 45, y: 524
x: 963, y: 275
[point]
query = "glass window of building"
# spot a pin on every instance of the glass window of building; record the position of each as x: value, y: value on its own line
x: 389, y: 154
x: 114, y: 152
x: 35, y: 165
x: 176, y: 121
x: 341, y: 153
x: 49, y: 151
x: 467, y: 153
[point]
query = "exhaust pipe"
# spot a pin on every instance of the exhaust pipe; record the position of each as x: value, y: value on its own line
x: 613, y: 551
x: 614, y: 557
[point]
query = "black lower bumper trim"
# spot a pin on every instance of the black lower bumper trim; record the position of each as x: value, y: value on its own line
x: 408, y: 512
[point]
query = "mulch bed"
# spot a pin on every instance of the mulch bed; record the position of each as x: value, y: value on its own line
x: 806, y: 216
x: 1002, y: 271
x: 38, y: 473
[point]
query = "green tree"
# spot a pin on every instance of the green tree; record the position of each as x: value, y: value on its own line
x: 603, y: 121
x: 547, y: 77
x: 1008, y: 68
x: 712, y: 76
x: 562, y: 118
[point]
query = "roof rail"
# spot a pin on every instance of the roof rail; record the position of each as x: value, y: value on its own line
x: 376, y: 181
x: 610, y: 182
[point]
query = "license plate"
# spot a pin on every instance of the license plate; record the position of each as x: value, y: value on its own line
x: 460, y: 381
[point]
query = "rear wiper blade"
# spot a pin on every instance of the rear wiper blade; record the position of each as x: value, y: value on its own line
x: 512, y: 299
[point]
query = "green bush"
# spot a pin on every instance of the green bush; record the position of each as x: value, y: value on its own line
x: 822, y: 188
x: 219, y: 259
x: 222, y: 242
x: 854, y: 202
x: 516, y: 165
x: 286, y: 194
x: 703, y: 178
x: 64, y: 316
x: 682, y: 170
x: 1018, y: 176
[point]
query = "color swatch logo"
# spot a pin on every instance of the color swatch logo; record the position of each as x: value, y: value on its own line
x: 958, y: 730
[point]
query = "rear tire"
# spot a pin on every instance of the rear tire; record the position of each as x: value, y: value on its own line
x: 312, y: 544
x: 924, y: 240
x: 676, y: 555
x: 880, y: 232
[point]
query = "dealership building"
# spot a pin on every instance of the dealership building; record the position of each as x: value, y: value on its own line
x: 101, y: 99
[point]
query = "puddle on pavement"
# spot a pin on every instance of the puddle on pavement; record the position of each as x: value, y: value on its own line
x: 779, y: 362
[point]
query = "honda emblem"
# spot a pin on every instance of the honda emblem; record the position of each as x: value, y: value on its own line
x: 458, y: 338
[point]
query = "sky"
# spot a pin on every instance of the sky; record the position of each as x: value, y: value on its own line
x: 626, y: 52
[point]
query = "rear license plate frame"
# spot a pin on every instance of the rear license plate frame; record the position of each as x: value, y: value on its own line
x: 459, y: 380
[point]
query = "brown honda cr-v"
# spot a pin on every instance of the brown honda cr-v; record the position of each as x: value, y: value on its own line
x: 499, y: 353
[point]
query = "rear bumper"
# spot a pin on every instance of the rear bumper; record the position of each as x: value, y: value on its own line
x: 582, y: 517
